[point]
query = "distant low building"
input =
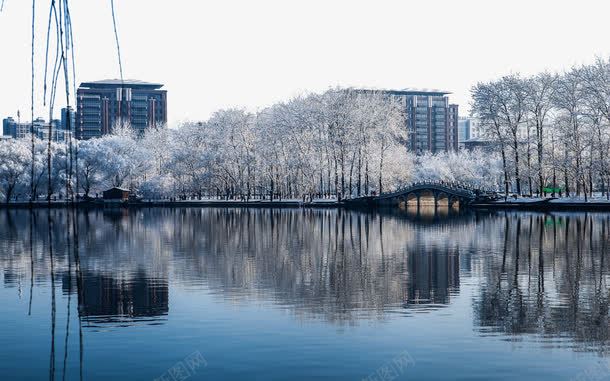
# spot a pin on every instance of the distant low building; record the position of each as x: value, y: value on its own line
x: 468, y: 128
x: 481, y: 143
x: 116, y: 194
x: 472, y: 134
x: 40, y: 127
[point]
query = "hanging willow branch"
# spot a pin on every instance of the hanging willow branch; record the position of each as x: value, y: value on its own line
x: 118, y: 49
x: 32, y: 190
x: 60, y: 20
x: 116, y: 38
x: 54, y: 75
x: 66, y: 44
x: 46, y: 61
x: 70, y: 45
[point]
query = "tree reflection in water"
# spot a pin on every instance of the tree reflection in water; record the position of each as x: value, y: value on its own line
x: 558, y: 290
x: 535, y: 274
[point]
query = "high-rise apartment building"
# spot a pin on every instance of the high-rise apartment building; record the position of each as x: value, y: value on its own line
x: 102, y: 105
x: 431, y: 121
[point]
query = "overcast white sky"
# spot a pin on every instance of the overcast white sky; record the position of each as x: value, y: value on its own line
x: 251, y: 53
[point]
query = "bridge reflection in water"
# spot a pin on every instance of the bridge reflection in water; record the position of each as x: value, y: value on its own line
x: 316, y: 261
x: 427, y: 201
x: 342, y: 267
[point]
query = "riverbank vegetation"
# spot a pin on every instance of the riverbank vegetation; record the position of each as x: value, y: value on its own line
x: 543, y: 135
x: 552, y: 130
x: 341, y: 143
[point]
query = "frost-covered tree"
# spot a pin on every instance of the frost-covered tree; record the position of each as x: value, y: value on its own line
x: 486, y: 106
x: 91, y: 166
x: 540, y: 92
x: 569, y: 101
x: 15, y: 159
x: 567, y: 126
x: 347, y: 143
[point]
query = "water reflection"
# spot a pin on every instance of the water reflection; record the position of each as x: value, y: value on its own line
x: 549, y: 280
x: 538, y: 275
x: 434, y: 276
x: 104, y: 299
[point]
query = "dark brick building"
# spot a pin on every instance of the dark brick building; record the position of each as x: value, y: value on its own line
x: 431, y: 121
x: 101, y: 105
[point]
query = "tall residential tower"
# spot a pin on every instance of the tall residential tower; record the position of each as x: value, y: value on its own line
x: 102, y: 105
x: 431, y: 122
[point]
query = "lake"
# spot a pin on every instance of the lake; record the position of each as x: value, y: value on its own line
x: 303, y: 294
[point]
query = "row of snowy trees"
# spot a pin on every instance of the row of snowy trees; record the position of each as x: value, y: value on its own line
x: 341, y: 143
x: 566, y: 119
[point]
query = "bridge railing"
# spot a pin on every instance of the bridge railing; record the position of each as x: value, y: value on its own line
x: 456, y: 186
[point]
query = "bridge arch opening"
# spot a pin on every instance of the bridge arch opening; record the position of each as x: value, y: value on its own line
x: 402, y: 202
x: 454, y: 202
x: 442, y: 200
x: 410, y: 200
x: 427, y: 198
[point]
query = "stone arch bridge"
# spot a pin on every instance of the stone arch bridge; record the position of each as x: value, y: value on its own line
x: 434, y: 192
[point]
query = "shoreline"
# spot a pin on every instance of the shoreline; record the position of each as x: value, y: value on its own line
x: 544, y: 206
x: 172, y: 204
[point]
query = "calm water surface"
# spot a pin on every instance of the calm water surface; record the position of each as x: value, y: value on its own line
x: 237, y: 294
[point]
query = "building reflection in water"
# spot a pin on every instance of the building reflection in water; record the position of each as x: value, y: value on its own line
x: 534, y: 274
x: 105, y: 299
x: 336, y: 265
x: 434, y: 276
